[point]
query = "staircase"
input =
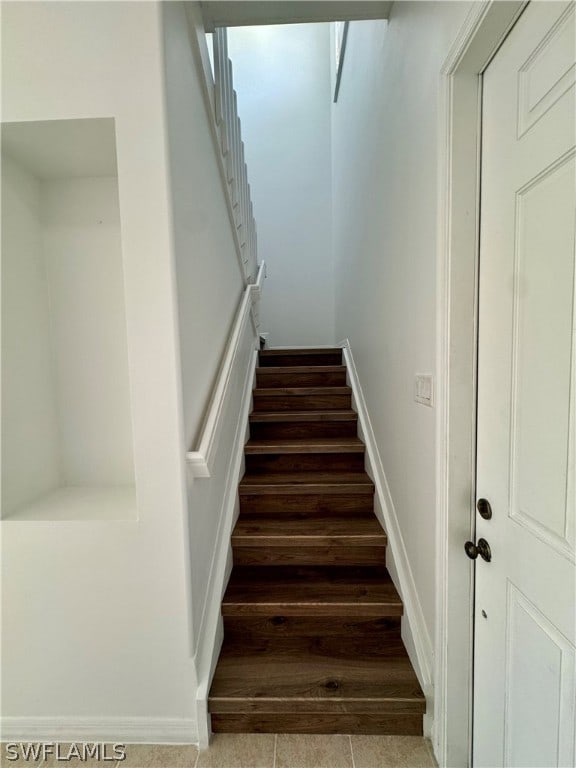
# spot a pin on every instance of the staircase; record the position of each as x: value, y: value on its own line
x: 311, y: 617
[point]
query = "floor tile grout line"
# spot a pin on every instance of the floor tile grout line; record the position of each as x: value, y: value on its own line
x: 351, y: 750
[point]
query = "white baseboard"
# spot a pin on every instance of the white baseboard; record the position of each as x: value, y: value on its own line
x: 210, y: 633
x: 414, y: 630
x: 119, y: 730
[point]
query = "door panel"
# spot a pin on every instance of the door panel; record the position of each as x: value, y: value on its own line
x: 524, y: 681
x: 547, y: 74
x: 538, y: 660
x: 543, y: 297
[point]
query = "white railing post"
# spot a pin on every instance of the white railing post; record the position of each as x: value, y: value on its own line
x: 232, y: 148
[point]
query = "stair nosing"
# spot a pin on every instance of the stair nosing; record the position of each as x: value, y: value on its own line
x: 351, y: 610
x: 277, y: 351
x: 252, y: 532
x: 317, y: 699
x: 303, y: 445
x: 338, y: 594
x: 301, y: 391
x: 304, y: 416
x: 306, y: 540
x: 355, y: 489
x: 275, y: 370
x: 262, y: 706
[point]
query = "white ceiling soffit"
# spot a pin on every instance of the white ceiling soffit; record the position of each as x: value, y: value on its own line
x: 56, y: 149
x: 246, y: 14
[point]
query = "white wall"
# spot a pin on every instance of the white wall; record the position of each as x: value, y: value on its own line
x: 384, y: 133
x: 96, y: 617
x: 30, y: 467
x: 208, y: 279
x: 82, y: 251
x: 282, y: 77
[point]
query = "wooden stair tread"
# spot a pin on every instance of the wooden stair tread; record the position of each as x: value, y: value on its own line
x: 311, y: 590
x: 300, y: 352
x: 306, y: 482
x: 343, y: 415
x: 306, y: 445
x: 274, y: 370
x: 314, y: 530
x: 300, y: 391
x: 281, y: 679
x: 304, y: 505
x: 307, y: 478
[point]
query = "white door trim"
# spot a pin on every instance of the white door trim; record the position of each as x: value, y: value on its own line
x: 483, y: 31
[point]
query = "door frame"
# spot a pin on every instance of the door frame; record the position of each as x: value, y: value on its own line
x: 458, y: 153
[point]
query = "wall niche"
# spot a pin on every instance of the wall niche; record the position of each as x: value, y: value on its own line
x: 67, y: 449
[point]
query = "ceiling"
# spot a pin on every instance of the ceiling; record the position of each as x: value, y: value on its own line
x: 245, y: 14
x: 56, y: 149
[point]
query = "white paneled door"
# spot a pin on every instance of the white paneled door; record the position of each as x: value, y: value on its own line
x: 524, y: 675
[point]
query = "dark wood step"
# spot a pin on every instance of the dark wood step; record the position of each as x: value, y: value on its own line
x: 297, y: 531
x: 305, y: 504
x: 282, y: 416
x: 338, y: 591
x: 336, y: 646
x: 302, y: 398
x: 376, y: 634
x: 305, y: 445
x: 300, y: 483
x: 308, y: 540
x: 304, y: 462
x: 301, y: 376
x: 293, y: 357
x: 305, y: 455
x: 408, y: 724
x: 329, y: 554
x: 266, y: 425
x: 309, y: 682
x: 314, y: 680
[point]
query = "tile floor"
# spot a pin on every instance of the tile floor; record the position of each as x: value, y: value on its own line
x: 268, y: 751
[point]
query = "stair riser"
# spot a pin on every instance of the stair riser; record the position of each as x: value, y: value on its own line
x: 303, y: 722
x: 302, y: 402
x: 335, y: 648
x: 333, y: 612
x: 334, y: 554
x: 298, y: 489
x: 373, y: 631
x: 332, y: 358
x: 307, y: 503
x: 304, y: 429
x: 305, y: 462
x: 328, y: 379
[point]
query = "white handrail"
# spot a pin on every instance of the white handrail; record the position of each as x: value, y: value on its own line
x: 200, y: 460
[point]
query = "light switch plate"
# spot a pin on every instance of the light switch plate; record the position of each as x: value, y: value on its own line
x: 424, y: 389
